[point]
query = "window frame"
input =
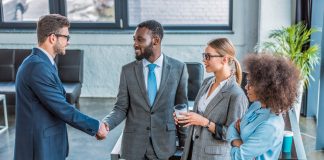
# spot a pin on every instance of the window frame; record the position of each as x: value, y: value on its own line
x: 120, y: 24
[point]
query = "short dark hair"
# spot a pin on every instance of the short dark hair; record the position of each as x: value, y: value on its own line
x: 154, y: 26
x: 50, y: 24
x: 275, y: 80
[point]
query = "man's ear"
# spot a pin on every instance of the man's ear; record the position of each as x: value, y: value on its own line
x: 52, y: 38
x: 156, y: 40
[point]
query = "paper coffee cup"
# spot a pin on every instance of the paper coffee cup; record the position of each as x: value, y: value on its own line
x: 287, y: 141
x: 180, y: 108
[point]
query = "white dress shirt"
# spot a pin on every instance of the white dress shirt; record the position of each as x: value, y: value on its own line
x: 157, y: 70
x: 204, y: 100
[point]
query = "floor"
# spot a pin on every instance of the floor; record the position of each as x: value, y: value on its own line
x: 308, y: 132
x: 83, y: 146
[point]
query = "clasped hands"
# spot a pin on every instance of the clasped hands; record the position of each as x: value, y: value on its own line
x: 102, y: 131
x: 190, y: 118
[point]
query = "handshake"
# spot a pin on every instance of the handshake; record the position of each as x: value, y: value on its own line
x: 102, y: 131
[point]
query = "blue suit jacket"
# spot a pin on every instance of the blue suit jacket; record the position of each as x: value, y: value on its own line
x: 42, y: 112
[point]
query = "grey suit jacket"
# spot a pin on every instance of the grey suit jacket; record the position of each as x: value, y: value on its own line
x: 142, y: 121
x: 227, y: 106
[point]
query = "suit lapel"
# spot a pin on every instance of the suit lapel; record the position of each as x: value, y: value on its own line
x: 43, y: 56
x: 213, y: 103
x: 200, y: 94
x: 164, y: 79
x: 141, y: 82
x: 219, y: 96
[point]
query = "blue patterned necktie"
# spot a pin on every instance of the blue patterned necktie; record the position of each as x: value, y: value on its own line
x: 151, y: 83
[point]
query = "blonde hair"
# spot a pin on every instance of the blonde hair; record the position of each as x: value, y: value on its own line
x: 224, y: 46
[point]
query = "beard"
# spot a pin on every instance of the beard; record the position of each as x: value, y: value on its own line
x: 58, y: 49
x: 147, y: 53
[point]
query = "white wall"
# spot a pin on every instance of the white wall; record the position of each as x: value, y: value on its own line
x: 274, y: 14
x: 105, y: 53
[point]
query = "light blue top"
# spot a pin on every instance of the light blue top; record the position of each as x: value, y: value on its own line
x: 261, y: 133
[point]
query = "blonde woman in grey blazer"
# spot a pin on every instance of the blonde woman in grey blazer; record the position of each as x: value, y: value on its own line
x: 220, y: 101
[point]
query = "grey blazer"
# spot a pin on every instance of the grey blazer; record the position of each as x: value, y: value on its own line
x: 227, y: 106
x: 142, y: 121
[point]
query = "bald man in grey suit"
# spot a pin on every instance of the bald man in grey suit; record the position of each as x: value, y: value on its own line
x: 150, y: 131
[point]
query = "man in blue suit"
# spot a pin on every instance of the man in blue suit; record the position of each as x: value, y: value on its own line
x: 41, y: 107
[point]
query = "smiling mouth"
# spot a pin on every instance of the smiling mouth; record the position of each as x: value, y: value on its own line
x: 137, y: 51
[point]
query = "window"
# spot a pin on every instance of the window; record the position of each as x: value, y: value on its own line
x: 121, y: 14
x: 91, y: 11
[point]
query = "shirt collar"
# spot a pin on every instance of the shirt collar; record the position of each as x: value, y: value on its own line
x: 48, y: 55
x: 222, y: 83
x: 158, y: 62
x: 259, y: 109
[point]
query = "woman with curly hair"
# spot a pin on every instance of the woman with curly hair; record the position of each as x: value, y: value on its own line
x: 272, y: 84
x: 219, y: 102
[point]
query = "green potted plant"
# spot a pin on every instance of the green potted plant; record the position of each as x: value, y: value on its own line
x: 289, y: 42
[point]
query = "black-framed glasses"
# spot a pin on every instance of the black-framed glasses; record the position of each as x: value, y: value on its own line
x: 207, y: 56
x: 61, y: 35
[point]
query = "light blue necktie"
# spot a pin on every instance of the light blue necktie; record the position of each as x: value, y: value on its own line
x: 151, y: 83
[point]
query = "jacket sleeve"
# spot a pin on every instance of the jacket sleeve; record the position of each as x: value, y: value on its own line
x: 118, y: 114
x: 236, y: 109
x: 232, y: 133
x: 182, y: 98
x: 257, y: 143
x: 48, y: 90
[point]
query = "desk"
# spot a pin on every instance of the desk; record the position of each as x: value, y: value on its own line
x: 297, y: 150
x: 5, y: 127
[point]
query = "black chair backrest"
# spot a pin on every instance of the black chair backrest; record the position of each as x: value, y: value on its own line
x: 20, y: 55
x: 7, y: 70
x: 196, y: 75
x: 70, y: 66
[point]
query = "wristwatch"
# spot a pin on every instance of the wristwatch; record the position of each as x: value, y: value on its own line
x: 208, y: 124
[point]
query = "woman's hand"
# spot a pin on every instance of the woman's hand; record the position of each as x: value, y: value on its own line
x: 237, y: 125
x: 192, y: 118
x: 237, y: 143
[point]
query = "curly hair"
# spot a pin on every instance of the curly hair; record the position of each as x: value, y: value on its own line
x: 274, y: 79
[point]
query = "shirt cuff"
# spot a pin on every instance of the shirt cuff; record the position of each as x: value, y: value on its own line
x: 232, y: 133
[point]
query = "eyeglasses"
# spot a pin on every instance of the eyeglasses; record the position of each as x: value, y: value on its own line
x: 207, y: 56
x: 61, y: 35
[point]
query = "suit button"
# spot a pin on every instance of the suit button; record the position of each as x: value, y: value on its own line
x: 147, y: 128
x: 196, y: 137
x: 152, y: 112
